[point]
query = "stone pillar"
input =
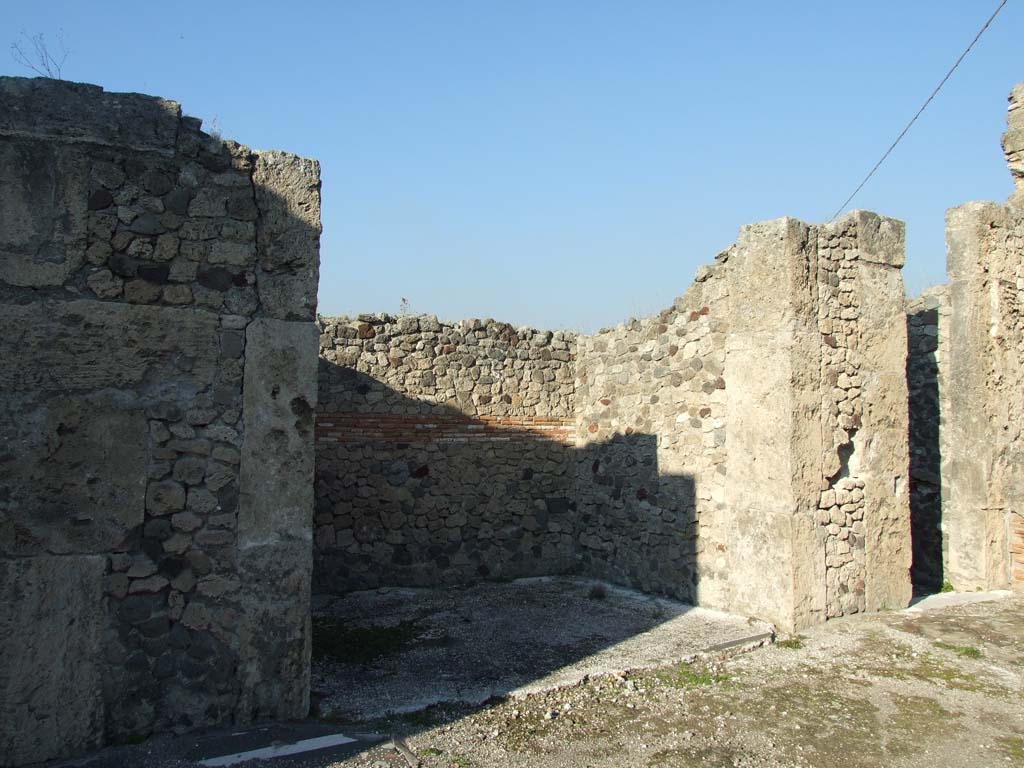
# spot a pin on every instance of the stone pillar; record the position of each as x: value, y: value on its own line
x: 982, y: 440
x: 817, y: 510
x: 880, y: 362
x: 275, y: 516
x: 773, y: 468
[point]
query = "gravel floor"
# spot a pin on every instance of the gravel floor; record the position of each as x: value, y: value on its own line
x: 401, y: 650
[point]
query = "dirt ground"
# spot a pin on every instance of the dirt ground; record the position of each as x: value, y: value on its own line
x: 936, y: 688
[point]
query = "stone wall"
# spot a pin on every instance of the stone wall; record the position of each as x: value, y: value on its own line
x: 864, y: 400
x: 651, y: 425
x: 983, y: 414
x: 442, y: 452
x: 745, y: 449
x: 157, y: 387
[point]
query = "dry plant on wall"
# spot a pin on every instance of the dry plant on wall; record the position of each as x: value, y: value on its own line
x: 33, y: 52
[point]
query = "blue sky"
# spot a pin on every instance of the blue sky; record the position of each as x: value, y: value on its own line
x: 570, y: 164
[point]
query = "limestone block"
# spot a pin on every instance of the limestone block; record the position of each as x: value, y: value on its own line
x: 43, y: 211
x: 288, y: 234
x: 967, y: 227
x: 1013, y: 139
x: 273, y: 631
x: 73, y: 478
x: 277, y: 454
x: 771, y: 278
x: 51, y: 620
x: 275, y: 518
x: 880, y: 239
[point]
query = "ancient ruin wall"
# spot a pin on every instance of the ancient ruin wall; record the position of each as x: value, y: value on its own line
x: 982, y: 447
x: 157, y: 387
x: 443, y: 452
x: 746, y: 449
x: 864, y: 504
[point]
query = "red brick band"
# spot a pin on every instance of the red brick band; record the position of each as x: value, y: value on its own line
x: 392, y: 428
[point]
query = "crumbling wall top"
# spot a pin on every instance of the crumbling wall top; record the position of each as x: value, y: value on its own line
x: 63, y: 111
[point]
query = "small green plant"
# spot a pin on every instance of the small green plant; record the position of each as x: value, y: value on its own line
x: 458, y: 761
x: 947, y: 587
x: 688, y: 675
x: 1013, y: 746
x: 794, y: 643
x: 967, y: 651
x: 430, y: 752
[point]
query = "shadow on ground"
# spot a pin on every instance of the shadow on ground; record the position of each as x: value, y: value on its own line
x: 400, y: 650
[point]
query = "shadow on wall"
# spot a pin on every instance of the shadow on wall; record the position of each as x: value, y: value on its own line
x: 415, y: 494
x: 418, y: 494
x: 925, y: 451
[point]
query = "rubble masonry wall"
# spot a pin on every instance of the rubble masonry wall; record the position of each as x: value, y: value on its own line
x: 442, y: 452
x: 725, y: 451
x: 157, y: 389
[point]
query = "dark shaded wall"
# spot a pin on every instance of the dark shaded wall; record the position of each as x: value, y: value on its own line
x: 442, y: 452
x: 157, y: 384
x: 926, y: 319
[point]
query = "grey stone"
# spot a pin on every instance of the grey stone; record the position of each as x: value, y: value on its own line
x: 288, y: 234
x: 164, y: 497
x: 51, y: 611
x: 201, y: 501
x: 104, y: 284
x: 189, y: 470
x: 67, y: 111
x: 43, y: 215
x: 79, y: 345
x: 92, y: 492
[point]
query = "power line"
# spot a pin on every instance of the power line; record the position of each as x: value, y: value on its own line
x: 923, y: 106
